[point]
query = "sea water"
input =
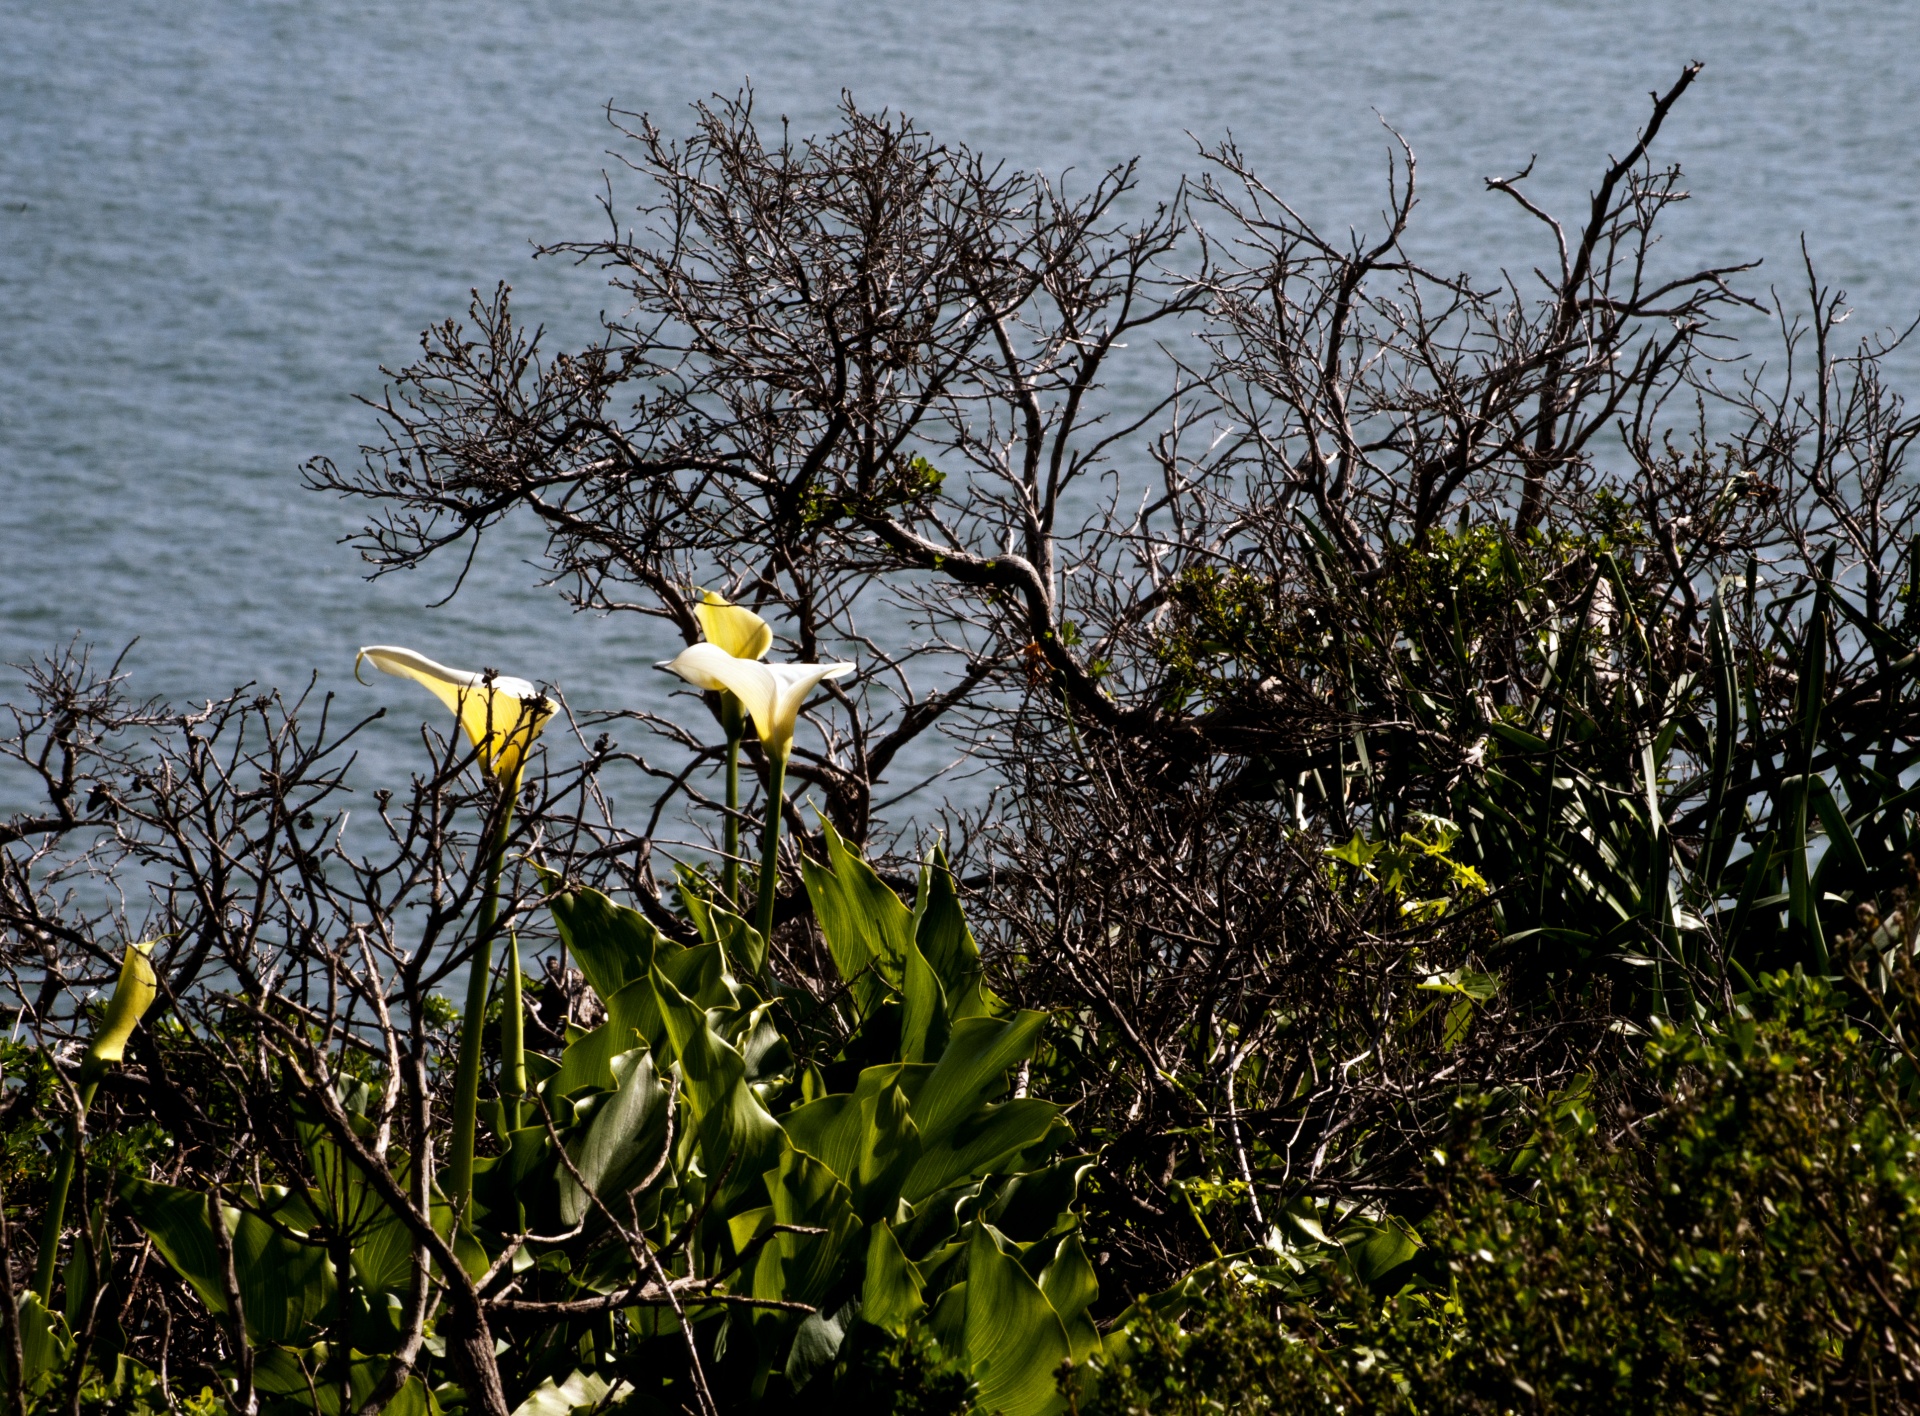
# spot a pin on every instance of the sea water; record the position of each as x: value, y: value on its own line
x: 219, y: 220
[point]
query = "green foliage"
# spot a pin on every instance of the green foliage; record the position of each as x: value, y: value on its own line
x: 1418, y: 870
x: 895, y: 1217
x: 1755, y: 1247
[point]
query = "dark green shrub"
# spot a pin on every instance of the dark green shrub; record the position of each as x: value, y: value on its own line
x: 1754, y: 1244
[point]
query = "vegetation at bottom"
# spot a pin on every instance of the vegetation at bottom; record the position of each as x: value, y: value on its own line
x: 1756, y: 1248
x: 1430, y: 925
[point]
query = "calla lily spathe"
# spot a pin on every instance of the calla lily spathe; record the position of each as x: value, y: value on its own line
x: 502, y: 716
x: 734, y: 628
x: 133, y: 994
x: 771, y: 693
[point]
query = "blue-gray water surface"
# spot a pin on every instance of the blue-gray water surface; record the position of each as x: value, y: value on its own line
x: 219, y: 219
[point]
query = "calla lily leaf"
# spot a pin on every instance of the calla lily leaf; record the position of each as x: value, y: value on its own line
x: 502, y: 715
x: 771, y: 693
x: 1015, y: 1340
x: 139, y: 985
x: 734, y: 628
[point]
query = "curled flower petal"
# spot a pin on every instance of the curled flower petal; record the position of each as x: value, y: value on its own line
x: 139, y: 985
x: 502, y: 716
x: 734, y: 628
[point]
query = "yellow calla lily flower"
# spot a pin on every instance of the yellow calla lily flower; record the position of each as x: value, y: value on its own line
x: 771, y: 693
x: 139, y: 985
x: 502, y: 715
x: 734, y: 628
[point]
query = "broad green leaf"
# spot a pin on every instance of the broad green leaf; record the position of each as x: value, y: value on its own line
x: 633, y: 1020
x: 893, y: 1293
x: 382, y: 1245
x: 1038, y: 1203
x: 717, y: 924
x: 701, y: 974
x: 766, y: 1053
x: 304, y: 1382
x: 816, y: 1343
x: 734, y: 1125
x: 1373, y: 1249
x: 1477, y: 986
x: 1070, y: 1286
x: 623, y: 1141
x: 43, y: 1340
x: 286, y: 1287
x: 580, y: 1389
x: 941, y: 931
x: 972, y: 1071
x: 867, y: 928
x: 800, y: 1267
x: 923, y: 1020
x: 978, y: 1145
x: 1015, y: 1340
x: 745, y: 1226
x: 867, y: 1137
x: 612, y: 943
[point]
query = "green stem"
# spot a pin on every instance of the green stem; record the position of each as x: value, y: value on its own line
x: 513, y: 1039
x: 56, y: 1217
x: 770, y: 844
x: 732, y: 720
x: 466, y: 1077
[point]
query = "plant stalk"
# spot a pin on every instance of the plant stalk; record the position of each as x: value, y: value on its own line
x: 513, y: 1039
x: 56, y: 1217
x: 466, y: 1078
x: 733, y: 721
x: 770, y: 844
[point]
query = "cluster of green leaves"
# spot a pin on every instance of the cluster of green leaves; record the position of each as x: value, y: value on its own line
x: 827, y: 1220
x: 1418, y: 871
x: 1754, y: 1244
x: 1658, y: 819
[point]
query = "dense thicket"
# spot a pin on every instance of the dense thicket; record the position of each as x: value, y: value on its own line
x: 1445, y: 684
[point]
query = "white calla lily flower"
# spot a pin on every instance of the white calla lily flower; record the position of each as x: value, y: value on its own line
x: 771, y: 693
x: 502, y: 715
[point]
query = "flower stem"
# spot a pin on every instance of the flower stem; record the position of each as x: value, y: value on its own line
x: 732, y: 720
x: 770, y: 844
x: 513, y: 1039
x: 466, y: 1076
x: 56, y: 1216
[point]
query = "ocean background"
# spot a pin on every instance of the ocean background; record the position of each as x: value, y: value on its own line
x: 218, y: 220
